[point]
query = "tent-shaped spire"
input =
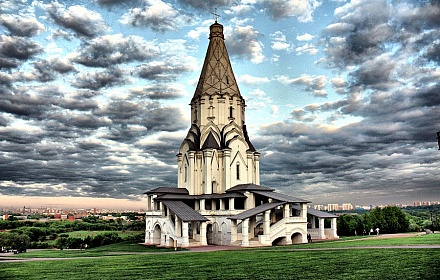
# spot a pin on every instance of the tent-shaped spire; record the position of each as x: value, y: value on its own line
x: 217, y: 76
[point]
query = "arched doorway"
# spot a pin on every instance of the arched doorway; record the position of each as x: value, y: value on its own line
x: 224, y: 234
x: 296, y: 238
x: 156, y: 234
x: 209, y: 235
x: 279, y: 241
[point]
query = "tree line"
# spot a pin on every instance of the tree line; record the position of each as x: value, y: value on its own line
x: 33, y: 234
x: 390, y: 219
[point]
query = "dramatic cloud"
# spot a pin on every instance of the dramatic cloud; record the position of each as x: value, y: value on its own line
x: 21, y: 26
x: 244, y: 44
x: 157, y: 15
x: 99, y: 79
x: 302, y: 9
x: 14, y: 50
x: 78, y: 19
x: 109, y: 50
x: 314, y: 84
x: 94, y: 94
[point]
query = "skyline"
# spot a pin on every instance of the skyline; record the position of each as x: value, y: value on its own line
x: 342, y: 97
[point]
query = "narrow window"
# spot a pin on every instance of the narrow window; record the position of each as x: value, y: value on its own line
x: 238, y: 170
x: 186, y: 173
x: 227, y: 80
x: 230, y: 111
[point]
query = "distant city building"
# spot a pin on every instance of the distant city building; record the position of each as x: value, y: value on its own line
x: 347, y: 207
x: 332, y: 207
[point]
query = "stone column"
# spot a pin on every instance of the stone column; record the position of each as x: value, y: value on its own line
x: 257, y: 168
x: 207, y: 154
x: 198, y: 176
x: 227, y: 153
x: 313, y: 221
x: 250, y: 167
x: 252, y: 223
x: 321, y: 234
x: 286, y: 213
x: 202, y: 205
x: 233, y: 230
x: 190, y: 179
x: 177, y: 226
x: 203, y: 240
x: 180, y: 171
x: 148, y: 203
x: 334, y: 228
x: 231, y: 203
x: 222, y: 204
x: 245, y: 233
x: 266, y: 223
x: 185, y: 239
x: 303, y: 211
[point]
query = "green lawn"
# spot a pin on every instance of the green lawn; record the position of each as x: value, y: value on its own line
x: 281, y: 263
x: 85, y: 233
x: 127, y: 247
x: 426, y: 239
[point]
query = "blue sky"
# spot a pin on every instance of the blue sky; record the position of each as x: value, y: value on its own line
x: 342, y: 96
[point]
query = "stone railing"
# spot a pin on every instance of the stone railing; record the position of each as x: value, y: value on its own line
x: 277, y: 228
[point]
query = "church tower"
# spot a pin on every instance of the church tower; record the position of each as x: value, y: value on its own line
x: 217, y: 153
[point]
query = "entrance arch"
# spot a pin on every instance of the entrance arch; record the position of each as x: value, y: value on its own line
x: 157, y: 234
x: 296, y: 238
x: 209, y: 235
x: 279, y: 241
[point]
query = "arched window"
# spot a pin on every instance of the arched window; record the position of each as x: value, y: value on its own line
x: 238, y: 170
x: 186, y: 173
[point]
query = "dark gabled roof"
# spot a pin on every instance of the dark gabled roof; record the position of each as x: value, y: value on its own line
x: 254, y: 211
x: 249, y: 187
x: 210, y: 142
x: 320, y: 214
x: 281, y: 197
x: 175, y: 196
x: 172, y: 196
x: 163, y: 190
x: 183, y: 211
x: 246, y: 138
x: 221, y: 195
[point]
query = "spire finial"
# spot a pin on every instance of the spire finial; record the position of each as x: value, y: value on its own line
x: 216, y: 16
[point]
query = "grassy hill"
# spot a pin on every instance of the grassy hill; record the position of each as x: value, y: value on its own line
x: 327, y: 260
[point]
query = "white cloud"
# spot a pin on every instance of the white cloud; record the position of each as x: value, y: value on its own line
x: 279, y: 41
x: 251, y: 80
x: 306, y: 49
x: 305, y: 37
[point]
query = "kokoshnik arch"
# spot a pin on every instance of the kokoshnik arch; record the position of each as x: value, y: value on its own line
x: 218, y: 199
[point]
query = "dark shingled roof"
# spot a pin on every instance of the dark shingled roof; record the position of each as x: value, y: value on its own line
x: 210, y: 142
x: 254, y: 211
x: 183, y: 211
x: 248, y: 187
x: 163, y: 190
x: 317, y: 213
x: 171, y: 196
x: 281, y: 197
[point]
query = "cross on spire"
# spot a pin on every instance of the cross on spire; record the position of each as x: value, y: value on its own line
x: 216, y: 16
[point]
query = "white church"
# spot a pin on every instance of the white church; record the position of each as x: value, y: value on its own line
x: 218, y: 199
